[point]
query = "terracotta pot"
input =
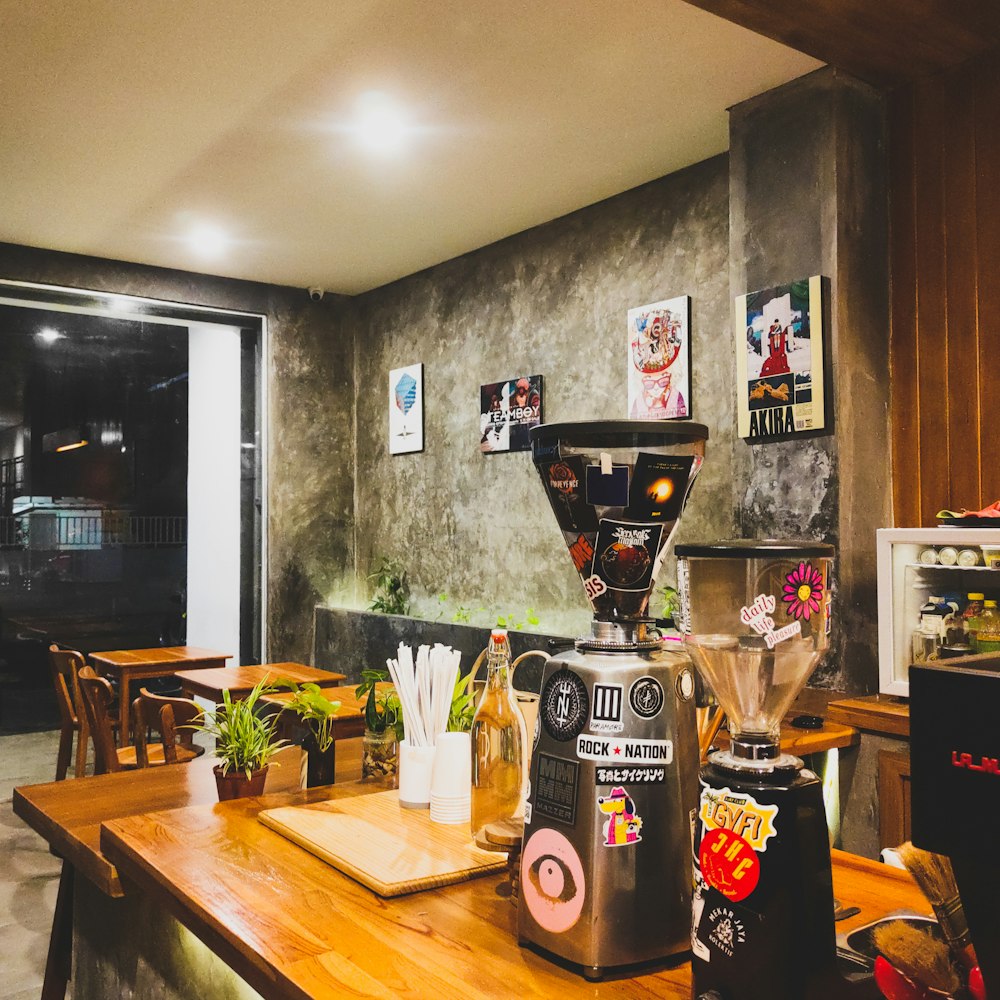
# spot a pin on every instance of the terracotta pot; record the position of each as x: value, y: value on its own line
x: 236, y: 785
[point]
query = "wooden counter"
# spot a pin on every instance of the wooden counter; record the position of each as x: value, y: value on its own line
x: 875, y: 713
x: 292, y: 926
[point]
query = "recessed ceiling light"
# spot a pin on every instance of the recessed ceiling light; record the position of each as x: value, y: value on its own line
x: 208, y: 241
x: 380, y: 125
x: 49, y: 335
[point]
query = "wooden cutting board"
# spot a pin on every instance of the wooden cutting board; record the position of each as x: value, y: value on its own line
x: 391, y: 850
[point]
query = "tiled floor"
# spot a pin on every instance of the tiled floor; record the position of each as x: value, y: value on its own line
x: 29, y: 874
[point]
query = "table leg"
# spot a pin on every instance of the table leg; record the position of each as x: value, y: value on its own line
x: 58, y: 965
x: 123, y: 706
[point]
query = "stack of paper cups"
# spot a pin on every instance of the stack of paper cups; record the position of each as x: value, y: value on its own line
x: 416, y: 765
x: 451, y: 782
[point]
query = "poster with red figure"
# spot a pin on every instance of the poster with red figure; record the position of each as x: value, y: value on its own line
x: 659, y: 360
x: 779, y: 360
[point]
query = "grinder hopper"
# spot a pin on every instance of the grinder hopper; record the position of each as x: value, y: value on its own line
x: 617, y: 488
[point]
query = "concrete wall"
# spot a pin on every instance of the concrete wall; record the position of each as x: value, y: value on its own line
x: 552, y: 300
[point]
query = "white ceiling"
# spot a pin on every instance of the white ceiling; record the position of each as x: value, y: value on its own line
x: 122, y: 125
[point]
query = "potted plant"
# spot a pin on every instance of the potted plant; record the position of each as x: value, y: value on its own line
x: 383, y: 725
x: 316, y: 713
x: 245, y: 742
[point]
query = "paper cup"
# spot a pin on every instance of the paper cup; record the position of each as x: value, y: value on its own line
x: 415, y: 768
x: 452, y: 777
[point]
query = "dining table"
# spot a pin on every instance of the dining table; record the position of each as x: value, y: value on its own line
x: 241, y: 680
x: 127, y: 665
x: 291, y: 926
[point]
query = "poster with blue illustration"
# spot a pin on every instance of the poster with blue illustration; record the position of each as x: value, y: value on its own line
x: 406, y: 409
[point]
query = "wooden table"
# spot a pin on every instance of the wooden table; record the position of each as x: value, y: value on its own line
x: 460, y: 941
x: 68, y: 815
x: 142, y: 664
x: 292, y: 926
x: 240, y: 681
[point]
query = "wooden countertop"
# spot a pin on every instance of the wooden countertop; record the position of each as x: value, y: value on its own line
x: 874, y: 713
x: 293, y: 927
x: 802, y: 742
x: 68, y: 814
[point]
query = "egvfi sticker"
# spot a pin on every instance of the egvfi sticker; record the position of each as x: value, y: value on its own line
x: 724, y: 809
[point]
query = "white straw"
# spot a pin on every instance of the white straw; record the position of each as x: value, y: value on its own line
x: 425, y: 688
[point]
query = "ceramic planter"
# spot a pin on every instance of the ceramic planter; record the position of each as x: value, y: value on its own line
x: 236, y: 785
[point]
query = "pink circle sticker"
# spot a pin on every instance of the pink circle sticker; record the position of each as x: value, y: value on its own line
x: 552, y: 881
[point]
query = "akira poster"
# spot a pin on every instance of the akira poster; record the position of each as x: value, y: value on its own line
x: 507, y: 411
x: 779, y: 360
x: 659, y: 360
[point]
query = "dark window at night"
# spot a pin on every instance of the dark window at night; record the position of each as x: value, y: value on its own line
x: 93, y: 493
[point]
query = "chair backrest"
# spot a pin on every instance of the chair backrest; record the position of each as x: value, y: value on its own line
x: 97, y: 694
x: 170, y: 717
x: 65, y: 665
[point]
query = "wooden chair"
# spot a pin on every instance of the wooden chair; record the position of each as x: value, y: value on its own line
x: 65, y: 665
x: 97, y: 695
x: 170, y: 717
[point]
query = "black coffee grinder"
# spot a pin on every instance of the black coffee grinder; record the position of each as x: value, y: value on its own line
x: 756, y: 617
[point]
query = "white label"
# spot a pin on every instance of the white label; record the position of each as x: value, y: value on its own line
x: 758, y: 617
x: 614, y: 749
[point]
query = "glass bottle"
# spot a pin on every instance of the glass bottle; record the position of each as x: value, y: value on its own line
x: 988, y: 637
x: 971, y: 616
x: 497, y: 755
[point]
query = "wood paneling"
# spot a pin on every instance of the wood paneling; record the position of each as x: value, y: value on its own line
x: 889, y: 42
x: 945, y: 291
x: 893, y: 798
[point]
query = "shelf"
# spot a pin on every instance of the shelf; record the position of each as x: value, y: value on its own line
x: 964, y: 569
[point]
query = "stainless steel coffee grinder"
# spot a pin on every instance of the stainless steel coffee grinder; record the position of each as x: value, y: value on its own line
x: 756, y: 617
x: 605, y: 876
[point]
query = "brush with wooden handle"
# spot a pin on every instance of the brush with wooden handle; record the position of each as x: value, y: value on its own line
x: 932, y: 872
x: 918, y: 955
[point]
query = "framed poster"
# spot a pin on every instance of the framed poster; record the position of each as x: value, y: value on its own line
x: 779, y: 360
x: 659, y: 360
x: 507, y: 411
x: 406, y: 409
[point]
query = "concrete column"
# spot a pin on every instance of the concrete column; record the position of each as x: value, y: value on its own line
x: 808, y: 196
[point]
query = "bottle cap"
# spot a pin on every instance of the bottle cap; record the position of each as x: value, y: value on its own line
x: 498, y: 637
x: 975, y: 597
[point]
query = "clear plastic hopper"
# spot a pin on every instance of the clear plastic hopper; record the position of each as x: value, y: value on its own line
x: 756, y: 617
x: 617, y: 489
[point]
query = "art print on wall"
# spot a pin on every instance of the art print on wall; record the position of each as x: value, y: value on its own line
x: 659, y: 360
x: 779, y: 360
x: 507, y: 411
x: 406, y: 409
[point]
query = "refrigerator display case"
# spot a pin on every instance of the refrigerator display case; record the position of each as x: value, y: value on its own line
x: 915, y: 564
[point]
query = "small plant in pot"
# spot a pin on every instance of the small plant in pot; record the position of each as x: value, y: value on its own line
x: 383, y: 726
x: 245, y: 742
x: 317, y: 713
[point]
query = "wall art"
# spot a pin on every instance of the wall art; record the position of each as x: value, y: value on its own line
x: 659, y: 360
x: 406, y: 409
x: 507, y: 411
x: 779, y: 360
